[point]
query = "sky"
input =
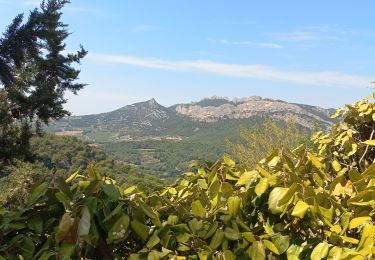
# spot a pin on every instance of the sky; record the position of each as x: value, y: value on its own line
x: 312, y: 52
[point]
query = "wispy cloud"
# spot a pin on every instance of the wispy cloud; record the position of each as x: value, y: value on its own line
x: 297, y: 36
x: 250, y: 43
x: 313, y: 33
x: 269, y: 45
x: 255, y: 71
x: 147, y: 28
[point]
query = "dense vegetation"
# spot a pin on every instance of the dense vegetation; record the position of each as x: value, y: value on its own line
x: 294, y: 204
x: 170, y: 158
x: 57, y: 156
x: 258, y: 141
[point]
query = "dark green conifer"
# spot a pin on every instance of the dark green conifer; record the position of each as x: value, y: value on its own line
x: 35, y: 73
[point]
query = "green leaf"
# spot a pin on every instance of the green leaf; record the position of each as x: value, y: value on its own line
x: 354, y: 148
x: 147, y: 210
x: 64, y: 188
x: 228, y: 255
x: 231, y: 234
x: 72, y: 177
x: 350, y: 240
x: 172, y: 220
x: 274, y: 161
x: 273, y: 200
x: 249, y: 236
x: 198, y: 209
x: 111, y: 191
x: 35, y: 224
x: 28, y: 248
x: 203, y: 184
x: 84, y: 223
x: 256, y: 251
x: 217, y: 239
x: 141, y: 230
x: 65, y: 200
x: 119, y: 229
x: 315, y: 161
x: 37, y: 192
x: 289, y: 195
x: 153, y: 241
x: 293, y: 252
x: 336, y: 165
x: 247, y: 178
x: 300, y: 209
x: 356, y: 222
x: 334, y: 253
x: 114, y: 212
x: 234, y: 205
x: 271, y: 247
x: 369, y: 142
x: 183, y: 238
x: 66, y: 251
x: 261, y: 187
x: 64, y: 227
x: 228, y: 161
x: 320, y: 251
x: 212, y: 230
x: 281, y: 242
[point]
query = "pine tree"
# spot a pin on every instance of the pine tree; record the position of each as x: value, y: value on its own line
x: 35, y: 73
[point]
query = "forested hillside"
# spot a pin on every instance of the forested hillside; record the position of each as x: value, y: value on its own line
x: 57, y: 156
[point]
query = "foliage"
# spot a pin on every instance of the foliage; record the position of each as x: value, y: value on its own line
x: 258, y: 141
x: 58, y: 156
x: 170, y: 158
x: 295, y: 204
x: 35, y: 72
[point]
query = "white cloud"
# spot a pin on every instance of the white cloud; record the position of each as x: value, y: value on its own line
x: 254, y: 71
x: 227, y: 42
x: 270, y: 45
x: 147, y: 28
x: 298, y: 36
x: 250, y: 43
x: 313, y: 33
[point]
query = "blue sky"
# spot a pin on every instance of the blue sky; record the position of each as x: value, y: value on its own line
x: 314, y: 52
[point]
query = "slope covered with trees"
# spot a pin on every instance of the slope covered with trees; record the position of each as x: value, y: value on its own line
x: 57, y: 156
x: 295, y: 204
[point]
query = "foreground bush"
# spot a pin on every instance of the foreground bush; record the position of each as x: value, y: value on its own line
x: 296, y: 204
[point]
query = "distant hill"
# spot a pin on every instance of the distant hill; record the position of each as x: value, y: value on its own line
x: 152, y: 121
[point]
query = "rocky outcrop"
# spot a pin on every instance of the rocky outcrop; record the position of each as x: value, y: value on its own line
x: 255, y: 106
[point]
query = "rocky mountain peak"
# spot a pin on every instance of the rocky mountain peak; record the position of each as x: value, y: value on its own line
x: 152, y: 102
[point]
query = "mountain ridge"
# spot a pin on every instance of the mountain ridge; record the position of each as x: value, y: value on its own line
x: 149, y: 118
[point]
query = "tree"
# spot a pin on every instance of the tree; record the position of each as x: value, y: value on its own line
x: 258, y: 141
x: 35, y: 73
